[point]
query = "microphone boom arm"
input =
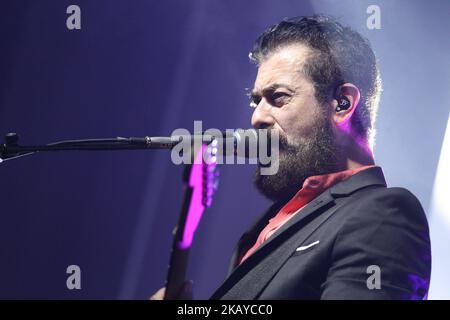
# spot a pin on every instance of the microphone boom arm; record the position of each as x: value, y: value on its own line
x: 11, y: 149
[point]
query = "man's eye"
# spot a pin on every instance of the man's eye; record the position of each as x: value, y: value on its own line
x: 254, y: 102
x: 279, y: 98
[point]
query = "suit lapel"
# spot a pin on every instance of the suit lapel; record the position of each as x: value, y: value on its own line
x: 318, y: 204
x: 249, y: 279
x: 270, y: 256
x: 249, y: 237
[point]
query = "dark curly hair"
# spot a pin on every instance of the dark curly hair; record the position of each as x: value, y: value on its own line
x: 340, y: 55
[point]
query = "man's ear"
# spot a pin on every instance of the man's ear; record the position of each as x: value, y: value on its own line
x: 349, y: 92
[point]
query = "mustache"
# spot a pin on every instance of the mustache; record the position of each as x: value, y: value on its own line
x: 282, y: 138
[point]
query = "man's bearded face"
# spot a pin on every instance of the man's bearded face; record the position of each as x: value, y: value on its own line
x: 284, y: 100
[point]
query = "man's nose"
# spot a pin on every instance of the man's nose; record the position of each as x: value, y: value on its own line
x: 261, y: 117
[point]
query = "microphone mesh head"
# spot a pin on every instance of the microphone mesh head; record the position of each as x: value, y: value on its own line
x: 246, y: 143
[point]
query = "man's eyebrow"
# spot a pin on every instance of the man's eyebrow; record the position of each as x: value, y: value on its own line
x: 271, y: 88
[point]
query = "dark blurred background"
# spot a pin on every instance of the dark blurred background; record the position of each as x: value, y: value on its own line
x: 139, y: 68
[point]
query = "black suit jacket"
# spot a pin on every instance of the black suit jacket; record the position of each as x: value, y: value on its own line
x: 329, y: 249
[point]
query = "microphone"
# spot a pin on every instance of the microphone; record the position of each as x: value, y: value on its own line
x: 239, y: 142
x: 246, y: 142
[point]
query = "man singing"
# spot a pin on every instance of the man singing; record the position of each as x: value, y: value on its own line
x: 335, y: 231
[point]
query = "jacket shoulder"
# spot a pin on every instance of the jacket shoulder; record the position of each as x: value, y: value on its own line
x: 387, y: 201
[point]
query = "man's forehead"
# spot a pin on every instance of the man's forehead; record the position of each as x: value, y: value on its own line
x: 282, y: 67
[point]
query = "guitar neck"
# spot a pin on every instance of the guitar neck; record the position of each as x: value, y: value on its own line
x: 199, y: 186
x: 177, y: 272
x: 179, y: 255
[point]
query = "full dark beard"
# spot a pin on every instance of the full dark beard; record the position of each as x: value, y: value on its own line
x: 315, y: 155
